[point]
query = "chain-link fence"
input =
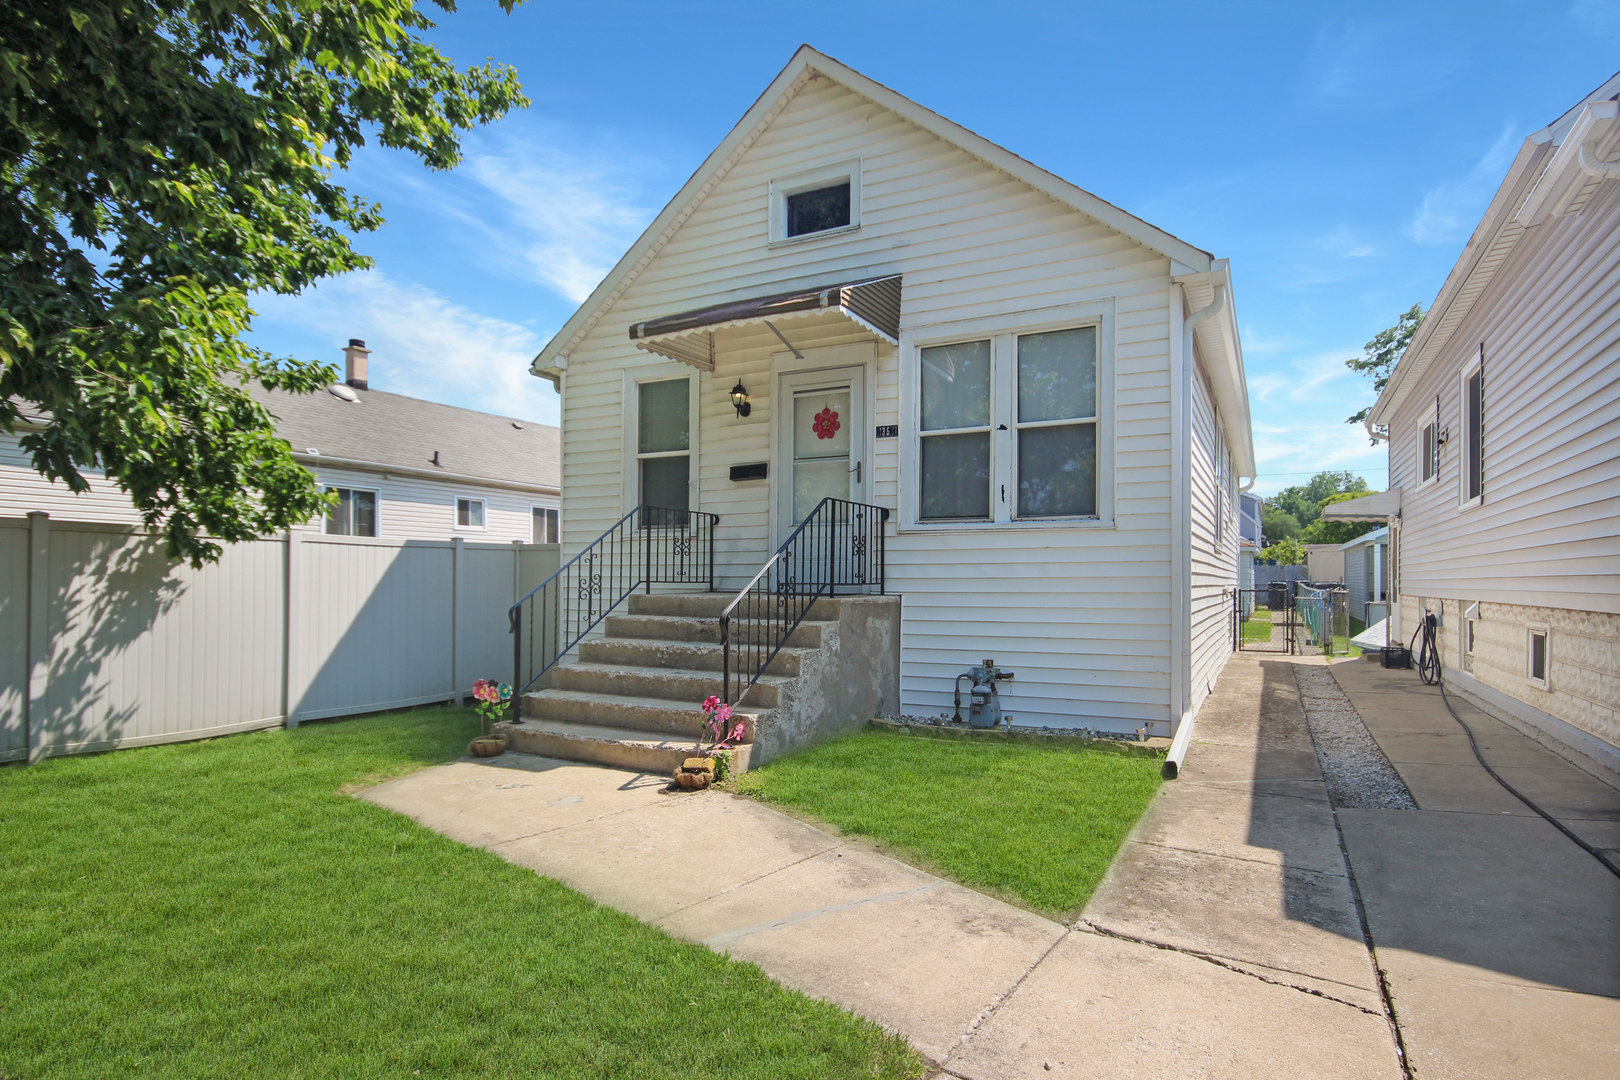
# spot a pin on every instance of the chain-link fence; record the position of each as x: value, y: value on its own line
x: 1324, y: 618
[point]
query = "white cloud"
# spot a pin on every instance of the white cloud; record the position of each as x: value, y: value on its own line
x: 421, y: 344
x: 574, y: 217
x: 1450, y: 210
x: 1289, y: 454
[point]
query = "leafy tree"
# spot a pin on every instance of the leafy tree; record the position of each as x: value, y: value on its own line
x: 1289, y: 552
x: 1336, y: 532
x: 160, y: 161
x: 1380, y: 354
x: 1278, y: 524
x: 1304, y: 502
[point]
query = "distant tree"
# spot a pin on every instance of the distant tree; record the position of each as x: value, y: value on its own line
x: 1288, y: 552
x: 1304, y: 501
x: 1279, y: 524
x: 1336, y: 532
x: 1380, y: 354
x: 160, y: 162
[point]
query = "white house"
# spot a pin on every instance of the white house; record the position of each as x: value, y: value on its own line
x: 1251, y: 536
x: 855, y: 297
x: 403, y: 468
x: 1503, y: 422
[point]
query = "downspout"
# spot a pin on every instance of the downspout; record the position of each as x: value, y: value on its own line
x: 1181, y: 528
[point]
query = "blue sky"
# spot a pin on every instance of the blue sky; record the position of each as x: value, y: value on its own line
x: 1339, y: 159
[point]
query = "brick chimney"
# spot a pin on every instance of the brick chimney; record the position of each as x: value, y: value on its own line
x: 354, y: 363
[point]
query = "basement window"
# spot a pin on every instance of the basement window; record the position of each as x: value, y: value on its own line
x: 354, y: 515
x: 1537, y: 658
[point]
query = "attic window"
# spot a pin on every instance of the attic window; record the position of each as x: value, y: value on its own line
x: 816, y: 203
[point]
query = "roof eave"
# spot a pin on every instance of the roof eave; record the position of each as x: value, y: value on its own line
x: 807, y: 62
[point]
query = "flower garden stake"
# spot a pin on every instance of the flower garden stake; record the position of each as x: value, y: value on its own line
x: 493, y: 699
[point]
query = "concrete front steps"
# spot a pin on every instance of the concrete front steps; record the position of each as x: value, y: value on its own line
x: 632, y: 699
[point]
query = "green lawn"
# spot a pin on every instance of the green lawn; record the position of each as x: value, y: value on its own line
x: 223, y: 909
x: 1033, y: 824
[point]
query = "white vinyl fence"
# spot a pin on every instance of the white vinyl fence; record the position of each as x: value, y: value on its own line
x: 104, y: 643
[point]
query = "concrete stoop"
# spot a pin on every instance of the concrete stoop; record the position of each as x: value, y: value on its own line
x: 631, y: 699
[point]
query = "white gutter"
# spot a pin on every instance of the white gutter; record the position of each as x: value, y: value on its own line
x: 1603, y: 170
x: 424, y: 474
x: 1181, y: 526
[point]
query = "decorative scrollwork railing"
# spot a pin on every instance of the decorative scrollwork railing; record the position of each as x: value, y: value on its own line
x: 840, y: 545
x: 651, y: 545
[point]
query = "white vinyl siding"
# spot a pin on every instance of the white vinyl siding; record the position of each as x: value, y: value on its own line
x: 1080, y: 610
x: 1214, y: 545
x: 407, y: 509
x: 1545, y: 535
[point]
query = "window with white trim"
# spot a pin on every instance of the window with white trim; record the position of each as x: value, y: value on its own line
x: 545, y: 525
x: 664, y: 443
x: 469, y: 513
x: 354, y: 515
x: 1429, y: 451
x: 819, y: 202
x: 1041, y: 388
x: 1538, y: 655
x: 1472, y: 472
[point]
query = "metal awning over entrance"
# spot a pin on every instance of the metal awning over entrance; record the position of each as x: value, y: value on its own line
x: 1379, y: 507
x: 873, y: 304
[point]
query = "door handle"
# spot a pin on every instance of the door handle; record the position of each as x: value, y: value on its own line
x: 857, y: 471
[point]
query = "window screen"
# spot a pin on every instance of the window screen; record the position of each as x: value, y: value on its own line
x: 470, y: 513
x: 819, y: 210
x: 1057, y: 423
x: 955, y: 437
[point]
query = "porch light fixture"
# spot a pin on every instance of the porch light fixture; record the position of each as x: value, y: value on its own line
x: 739, y: 398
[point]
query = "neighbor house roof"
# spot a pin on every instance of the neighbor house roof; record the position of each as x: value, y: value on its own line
x: 805, y: 65
x: 1544, y: 179
x: 390, y: 432
x: 1374, y: 537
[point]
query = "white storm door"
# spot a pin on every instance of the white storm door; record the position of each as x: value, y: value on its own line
x: 820, y: 443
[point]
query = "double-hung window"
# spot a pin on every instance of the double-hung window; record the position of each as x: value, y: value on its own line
x: 354, y: 515
x: 663, y: 443
x: 1009, y: 426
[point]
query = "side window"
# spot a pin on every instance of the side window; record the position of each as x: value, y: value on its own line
x: 663, y: 444
x: 354, y: 515
x: 1429, y: 450
x: 545, y: 525
x: 1473, y: 425
x: 469, y: 513
x: 1537, y: 659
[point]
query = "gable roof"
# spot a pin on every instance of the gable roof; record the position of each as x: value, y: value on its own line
x: 806, y: 64
x: 405, y: 434
x: 1520, y: 203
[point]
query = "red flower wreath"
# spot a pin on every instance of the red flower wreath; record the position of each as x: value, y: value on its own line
x: 825, y: 423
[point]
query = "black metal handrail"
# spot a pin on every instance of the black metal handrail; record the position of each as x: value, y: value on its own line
x: 651, y: 545
x: 841, y: 544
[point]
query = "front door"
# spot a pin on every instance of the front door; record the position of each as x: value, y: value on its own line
x: 821, y: 448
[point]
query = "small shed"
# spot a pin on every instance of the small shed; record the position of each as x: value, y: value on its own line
x: 1366, y: 571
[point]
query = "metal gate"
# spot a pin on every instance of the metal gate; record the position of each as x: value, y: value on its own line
x: 1264, y: 619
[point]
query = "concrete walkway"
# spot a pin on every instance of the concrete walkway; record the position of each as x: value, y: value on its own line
x: 1225, y: 942
x: 1499, y: 937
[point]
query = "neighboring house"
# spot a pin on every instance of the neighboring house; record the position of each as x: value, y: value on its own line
x: 1251, y: 537
x: 855, y: 297
x: 1366, y: 573
x: 403, y: 468
x: 1503, y: 421
x: 1325, y: 562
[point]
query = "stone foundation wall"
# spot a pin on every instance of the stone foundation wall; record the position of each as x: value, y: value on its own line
x: 1583, y: 651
